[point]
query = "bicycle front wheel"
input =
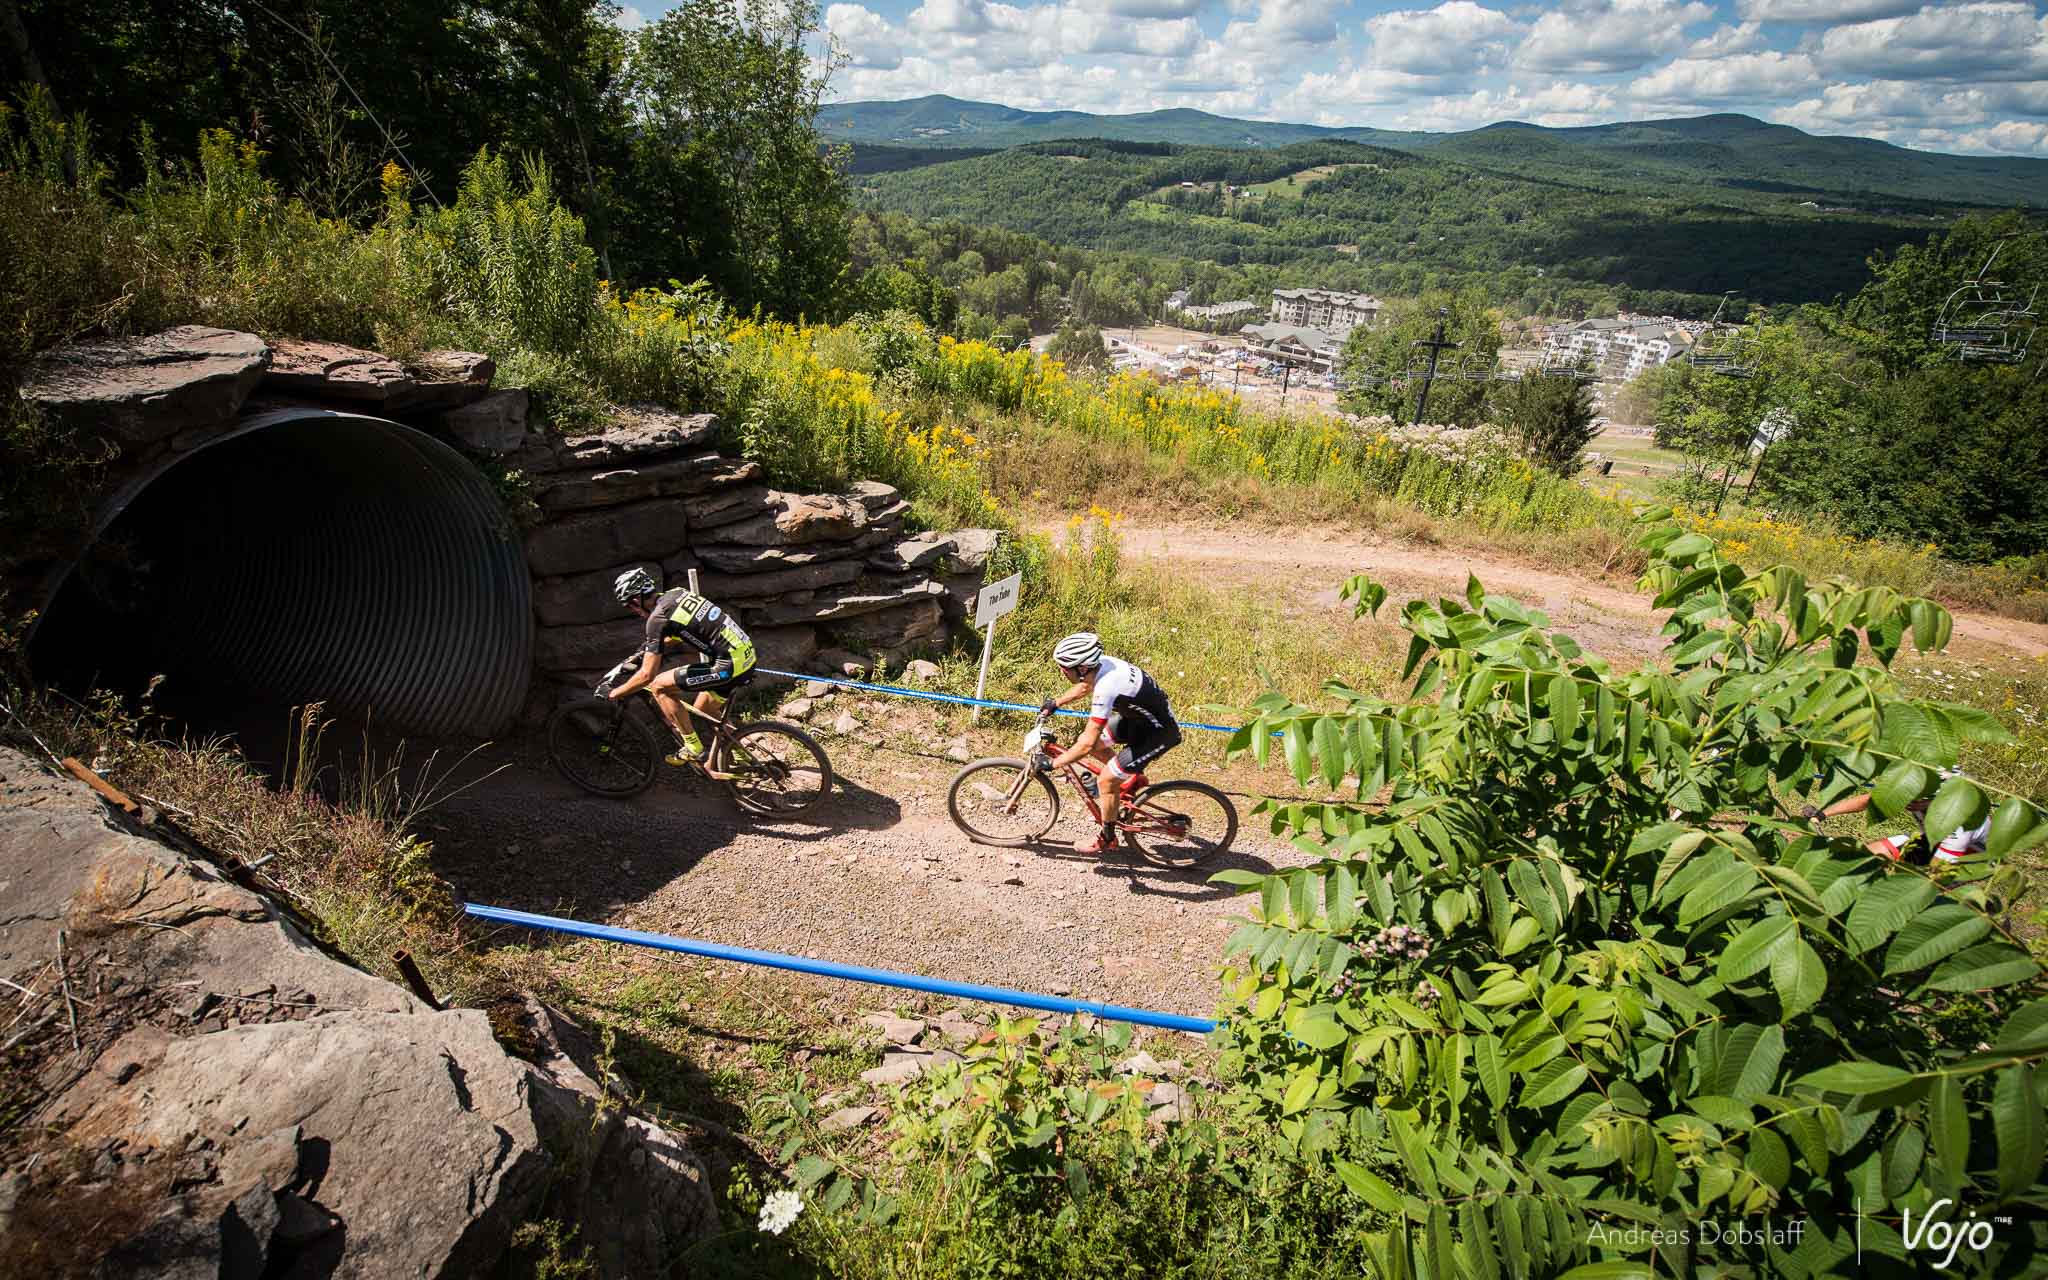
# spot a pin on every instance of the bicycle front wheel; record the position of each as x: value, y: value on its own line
x: 1179, y: 823
x: 999, y: 801
x: 775, y: 768
x: 602, y: 749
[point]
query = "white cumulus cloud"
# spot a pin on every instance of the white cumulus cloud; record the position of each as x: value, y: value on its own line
x: 1996, y: 39
x: 1822, y: 11
x: 1740, y: 78
x: 1596, y: 36
x: 1455, y: 37
x: 864, y: 36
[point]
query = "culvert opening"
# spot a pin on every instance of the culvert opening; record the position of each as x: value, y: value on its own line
x: 313, y: 556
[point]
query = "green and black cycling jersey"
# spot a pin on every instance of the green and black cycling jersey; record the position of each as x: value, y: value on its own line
x: 683, y: 619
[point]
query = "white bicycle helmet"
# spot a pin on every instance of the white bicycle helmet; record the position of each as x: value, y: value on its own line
x: 1078, y: 652
x: 634, y: 583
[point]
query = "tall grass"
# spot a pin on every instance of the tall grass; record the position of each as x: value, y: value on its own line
x: 1207, y: 432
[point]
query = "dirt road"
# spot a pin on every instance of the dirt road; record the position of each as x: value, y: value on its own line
x: 1608, y: 617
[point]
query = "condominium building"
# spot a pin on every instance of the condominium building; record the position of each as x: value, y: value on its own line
x: 1325, y: 309
x: 1618, y: 347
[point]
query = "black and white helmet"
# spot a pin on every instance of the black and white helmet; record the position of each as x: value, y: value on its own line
x: 1078, y: 652
x: 634, y: 583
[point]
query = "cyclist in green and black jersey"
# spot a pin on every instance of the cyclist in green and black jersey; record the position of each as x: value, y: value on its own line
x: 683, y: 619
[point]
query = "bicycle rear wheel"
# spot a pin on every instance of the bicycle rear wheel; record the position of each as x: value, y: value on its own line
x: 997, y: 801
x: 1179, y: 823
x: 602, y: 749
x: 775, y: 768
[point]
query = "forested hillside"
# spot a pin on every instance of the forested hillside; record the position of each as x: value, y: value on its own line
x: 1718, y: 150
x: 1395, y: 222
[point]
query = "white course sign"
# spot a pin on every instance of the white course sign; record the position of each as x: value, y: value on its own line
x: 995, y: 600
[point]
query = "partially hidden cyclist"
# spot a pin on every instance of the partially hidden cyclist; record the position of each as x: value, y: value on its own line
x: 678, y: 619
x: 1917, y: 847
x: 1130, y: 725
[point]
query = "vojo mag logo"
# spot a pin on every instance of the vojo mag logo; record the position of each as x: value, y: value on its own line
x: 1940, y: 1233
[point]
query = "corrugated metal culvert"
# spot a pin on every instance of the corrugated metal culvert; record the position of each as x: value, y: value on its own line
x: 308, y: 555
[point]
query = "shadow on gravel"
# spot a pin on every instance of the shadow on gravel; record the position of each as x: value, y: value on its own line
x: 1141, y: 875
x: 525, y: 838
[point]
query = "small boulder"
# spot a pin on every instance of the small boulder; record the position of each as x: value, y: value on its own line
x: 905, y: 1066
x: 895, y: 1030
x: 973, y: 547
x: 844, y: 660
x: 817, y: 689
x: 495, y: 424
x: 956, y: 1028
x: 796, y: 709
x: 958, y: 751
x: 916, y: 552
x: 922, y: 670
x: 446, y: 380
x: 874, y: 495
x: 845, y: 724
x: 848, y: 1118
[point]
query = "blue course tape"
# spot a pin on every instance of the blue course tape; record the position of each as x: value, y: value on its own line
x: 928, y: 696
x: 852, y: 973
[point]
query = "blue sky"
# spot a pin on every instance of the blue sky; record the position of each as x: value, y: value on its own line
x: 1965, y: 77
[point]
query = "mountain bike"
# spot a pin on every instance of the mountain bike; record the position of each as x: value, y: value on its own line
x: 1000, y: 800
x: 614, y: 748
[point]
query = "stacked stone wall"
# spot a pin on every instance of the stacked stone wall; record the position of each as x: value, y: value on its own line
x: 824, y: 582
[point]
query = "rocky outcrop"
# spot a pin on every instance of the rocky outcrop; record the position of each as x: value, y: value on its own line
x: 244, y: 1104
x: 142, y: 390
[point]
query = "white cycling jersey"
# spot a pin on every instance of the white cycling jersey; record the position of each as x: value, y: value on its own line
x: 1121, y: 687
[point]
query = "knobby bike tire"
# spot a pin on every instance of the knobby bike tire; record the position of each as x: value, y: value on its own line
x: 603, y: 750
x: 1201, y: 844
x: 1003, y: 771
x: 788, y: 776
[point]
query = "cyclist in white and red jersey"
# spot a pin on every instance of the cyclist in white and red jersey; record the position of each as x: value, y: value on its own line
x: 1130, y: 724
x: 1913, y: 846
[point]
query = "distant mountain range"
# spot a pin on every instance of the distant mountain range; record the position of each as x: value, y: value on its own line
x: 1721, y: 150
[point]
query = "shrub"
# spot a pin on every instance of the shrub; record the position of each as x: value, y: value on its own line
x: 1593, y: 978
x: 1550, y: 419
x: 507, y: 259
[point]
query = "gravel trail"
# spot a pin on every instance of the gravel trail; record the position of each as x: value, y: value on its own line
x: 880, y: 877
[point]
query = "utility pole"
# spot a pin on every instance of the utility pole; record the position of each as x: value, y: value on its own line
x: 1436, y: 344
x: 1286, y: 372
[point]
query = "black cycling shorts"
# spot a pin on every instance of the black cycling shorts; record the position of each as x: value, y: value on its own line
x: 707, y: 677
x: 1143, y: 739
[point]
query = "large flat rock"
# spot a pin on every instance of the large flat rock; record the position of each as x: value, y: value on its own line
x: 583, y: 490
x: 756, y: 560
x: 649, y: 530
x: 335, y: 371
x: 640, y: 433
x: 584, y: 598
x: 797, y: 519
x: 761, y: 586
x: 595, y: 647
x: 868, y: 595
x: 142, y: 390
